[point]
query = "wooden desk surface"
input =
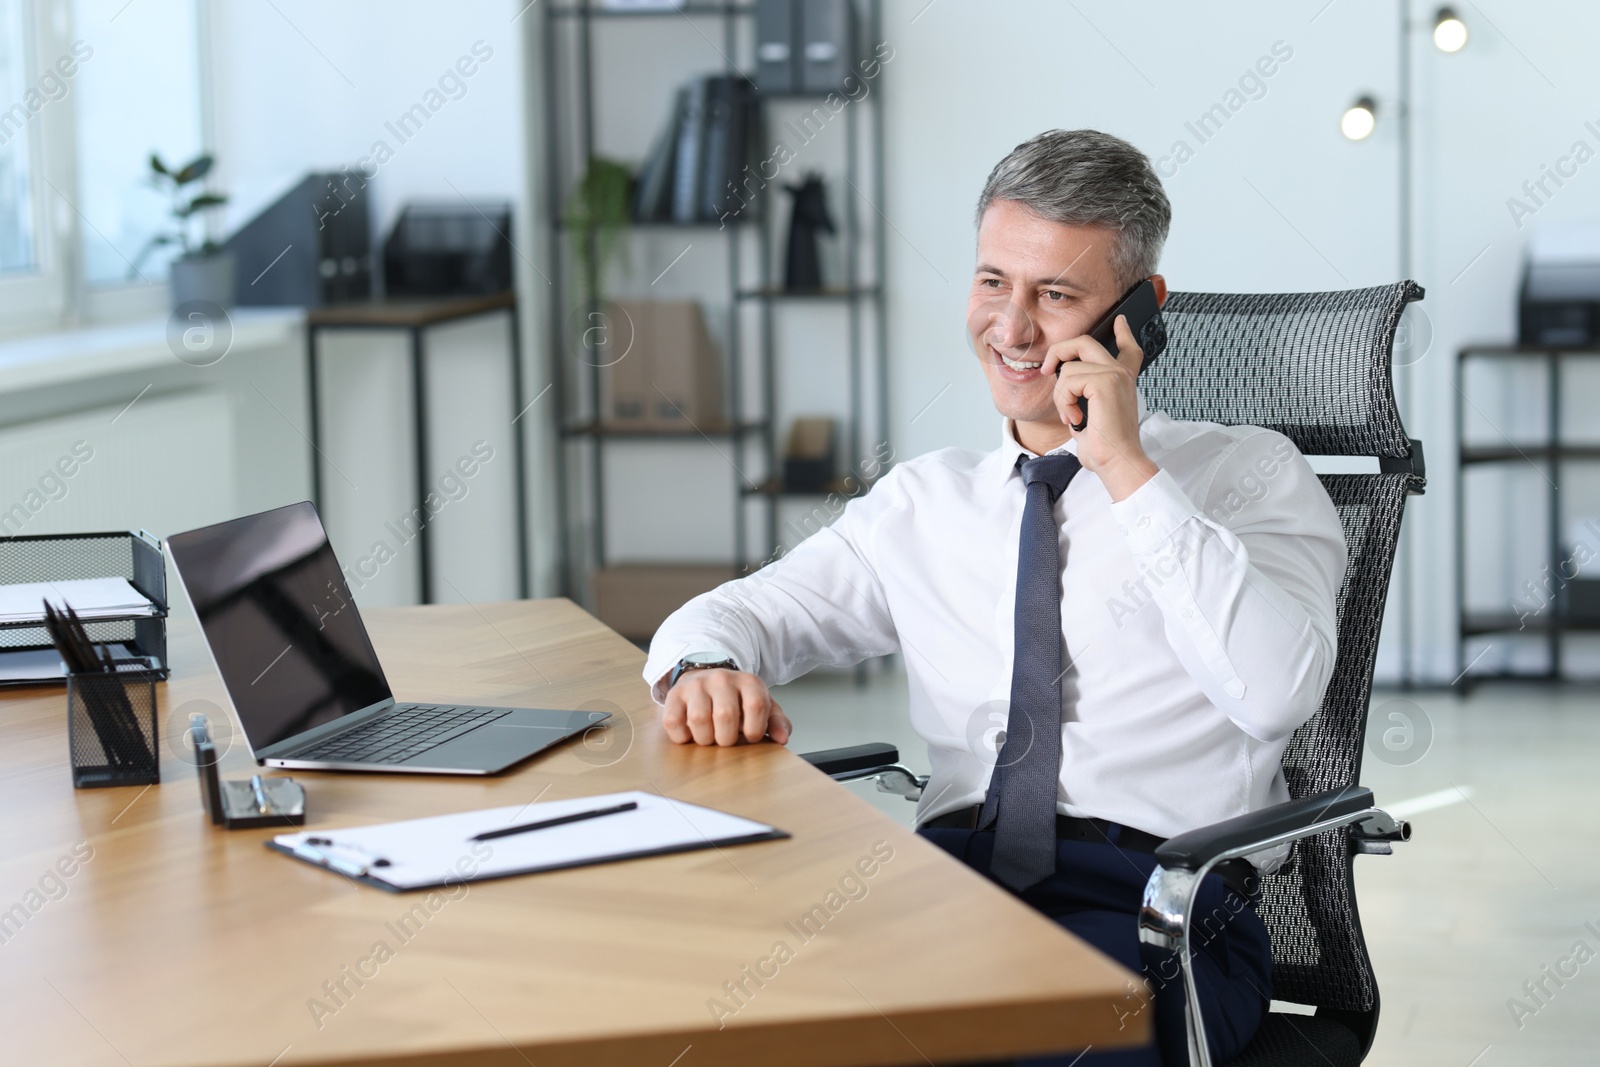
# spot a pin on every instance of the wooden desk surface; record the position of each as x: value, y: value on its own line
x: 173, y: 943
x: 409, y: 312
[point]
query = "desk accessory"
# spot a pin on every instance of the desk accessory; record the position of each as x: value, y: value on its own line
x: 317, y: 241
x: 808, y: 219
x: 117, y: 583
x: 111, y: 712
x: 456, y: 249
x: 811, y: 456
x: 472, y: 846
x: 240, y: 805
x: 559, y: 820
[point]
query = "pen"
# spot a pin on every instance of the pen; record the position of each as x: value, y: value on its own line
x: 262, y: 803
x: 559, y: 820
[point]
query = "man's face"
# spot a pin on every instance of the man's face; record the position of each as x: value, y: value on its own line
x: 1036, y: 282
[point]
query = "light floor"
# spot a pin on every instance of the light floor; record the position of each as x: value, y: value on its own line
x: 1498, y: 882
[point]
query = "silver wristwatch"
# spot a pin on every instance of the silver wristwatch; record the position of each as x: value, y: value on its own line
x: 700, y: 661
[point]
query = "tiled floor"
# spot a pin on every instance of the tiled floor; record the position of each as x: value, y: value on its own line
x: 1503, y: 792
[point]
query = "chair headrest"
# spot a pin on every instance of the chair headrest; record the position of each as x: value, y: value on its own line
x: 1313, y: 366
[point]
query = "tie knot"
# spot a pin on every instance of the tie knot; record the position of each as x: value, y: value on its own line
x: 1055, y: 471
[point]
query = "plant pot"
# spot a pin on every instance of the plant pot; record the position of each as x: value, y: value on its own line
x: 209, y: 278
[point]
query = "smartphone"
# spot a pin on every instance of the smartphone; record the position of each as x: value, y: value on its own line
x: 1142, y: 308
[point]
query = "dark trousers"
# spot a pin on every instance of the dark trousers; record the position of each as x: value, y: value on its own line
x: 1095, y: 893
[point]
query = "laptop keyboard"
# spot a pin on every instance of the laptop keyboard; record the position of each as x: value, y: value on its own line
x: 408, y: 730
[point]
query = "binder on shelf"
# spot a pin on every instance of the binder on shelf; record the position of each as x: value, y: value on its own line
x: 133, y: 634
x: 775, y: 35
x: 652, y: 195
x: 696, y: 164
x: 730, y: 120
x: 827, y: 45
x: 691, y: 130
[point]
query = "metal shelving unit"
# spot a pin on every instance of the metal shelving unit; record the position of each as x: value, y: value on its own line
x: 1551, y: 454
x: 570, y: 125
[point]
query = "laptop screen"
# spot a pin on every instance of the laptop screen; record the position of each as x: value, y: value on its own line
x: 279, y: 618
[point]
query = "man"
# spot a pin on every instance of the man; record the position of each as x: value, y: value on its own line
x: 1137, y: 614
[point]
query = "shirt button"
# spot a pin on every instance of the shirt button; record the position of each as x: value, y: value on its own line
x: 1188, y: 613
x: 1122, y: 526
x: 1144, y: 522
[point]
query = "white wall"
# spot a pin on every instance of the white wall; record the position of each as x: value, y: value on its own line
x: 300, y: 85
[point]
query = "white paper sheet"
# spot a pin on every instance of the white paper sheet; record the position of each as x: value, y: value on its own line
x: 438, y: 849
x: 31, y: 665
x: 91, y: 598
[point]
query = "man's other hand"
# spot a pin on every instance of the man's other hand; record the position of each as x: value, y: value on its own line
x: 717, y: 706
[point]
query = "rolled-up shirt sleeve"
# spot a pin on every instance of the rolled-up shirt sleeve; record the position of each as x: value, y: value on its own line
x: 821, y: 604
x: 1249, y: 580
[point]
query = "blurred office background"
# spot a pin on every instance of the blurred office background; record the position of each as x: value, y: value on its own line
x: 1308, y: 145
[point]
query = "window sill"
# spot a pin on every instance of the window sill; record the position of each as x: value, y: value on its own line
x: 65, y: 356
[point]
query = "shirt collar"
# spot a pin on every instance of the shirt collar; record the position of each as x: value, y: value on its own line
x: 1010, y: 448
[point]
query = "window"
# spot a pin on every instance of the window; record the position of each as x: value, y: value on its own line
x: 88, y: 90
x: 140, y: 93
x: 16, y: 200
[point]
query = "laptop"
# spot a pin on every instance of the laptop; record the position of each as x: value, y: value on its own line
x: 299, y: 667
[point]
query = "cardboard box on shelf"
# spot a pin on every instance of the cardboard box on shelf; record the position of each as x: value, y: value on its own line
x: 669, y: 376
x: 635, y: 598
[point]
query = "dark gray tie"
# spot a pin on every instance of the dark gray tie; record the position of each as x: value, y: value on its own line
x: 1021, y: 802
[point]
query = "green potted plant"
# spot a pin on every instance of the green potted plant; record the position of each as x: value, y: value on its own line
x: 597, y: 214
x: 203, y: 271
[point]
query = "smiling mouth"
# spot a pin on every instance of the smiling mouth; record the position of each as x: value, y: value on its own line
x: 1020, y: 366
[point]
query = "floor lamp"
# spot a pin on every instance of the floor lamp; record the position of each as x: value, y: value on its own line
x: 1449, y: 34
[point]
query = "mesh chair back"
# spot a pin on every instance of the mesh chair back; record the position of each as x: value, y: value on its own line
x: 1314, y: 367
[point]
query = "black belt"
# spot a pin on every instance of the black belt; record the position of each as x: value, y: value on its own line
x: 1238, y: 874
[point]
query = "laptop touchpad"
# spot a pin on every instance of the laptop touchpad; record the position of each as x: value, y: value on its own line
x: 490, y: 748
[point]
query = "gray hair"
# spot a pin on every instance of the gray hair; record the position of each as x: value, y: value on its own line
x: 1088, y: 178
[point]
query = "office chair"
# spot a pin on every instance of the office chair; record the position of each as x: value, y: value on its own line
x: 1316, y: 368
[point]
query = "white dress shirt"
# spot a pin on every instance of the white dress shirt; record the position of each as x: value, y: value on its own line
x: 1197, y: 618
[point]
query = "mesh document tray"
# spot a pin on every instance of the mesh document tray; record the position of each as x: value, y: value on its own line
x: 138, y: 643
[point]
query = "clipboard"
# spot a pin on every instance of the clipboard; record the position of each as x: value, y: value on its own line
x: 447, y: 850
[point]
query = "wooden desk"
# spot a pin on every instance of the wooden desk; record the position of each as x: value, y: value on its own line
x: 179, y: 944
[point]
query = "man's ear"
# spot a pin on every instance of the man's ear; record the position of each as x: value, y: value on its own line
x: 1160, y: 285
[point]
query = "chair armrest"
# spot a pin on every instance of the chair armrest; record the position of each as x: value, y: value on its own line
x: 861, y: 762
x: 1166, y: 917
x: 1200, y: 848
x: 853, y: 758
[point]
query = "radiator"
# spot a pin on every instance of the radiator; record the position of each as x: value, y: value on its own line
x: 165, y: 463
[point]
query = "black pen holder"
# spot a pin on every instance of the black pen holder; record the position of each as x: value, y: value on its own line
x: 111, y: 729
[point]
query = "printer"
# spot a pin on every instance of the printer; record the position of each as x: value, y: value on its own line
x: 1559, y: 306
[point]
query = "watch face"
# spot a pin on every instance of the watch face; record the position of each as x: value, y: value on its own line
x: 700, y: 659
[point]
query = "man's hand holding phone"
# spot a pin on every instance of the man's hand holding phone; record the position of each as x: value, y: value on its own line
x: 1108, y: 444
x: 719, y: 706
